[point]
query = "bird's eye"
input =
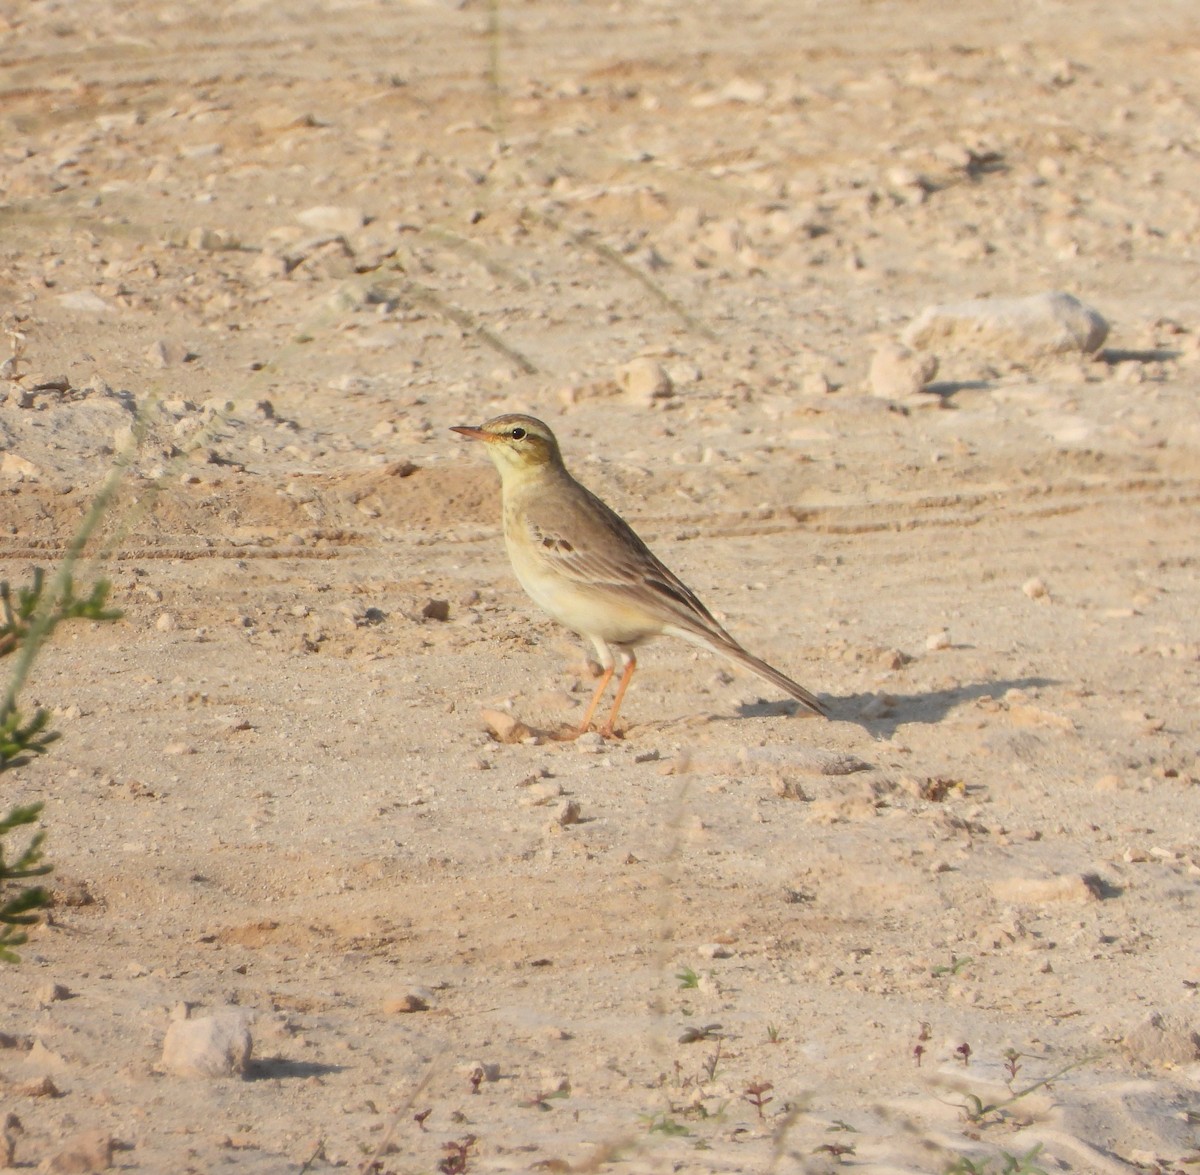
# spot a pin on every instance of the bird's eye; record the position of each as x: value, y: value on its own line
x: 517, y: 434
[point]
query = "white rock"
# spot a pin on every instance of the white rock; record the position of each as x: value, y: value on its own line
x: 1035, y: 588
x: 897, y: 372
x: 17, y: 468
x: 333, y: 218
x: 645, y: 380
x: 937, y: 640
x: 1019, y: 328
x: 211, y: 1046
x: 210, y: 239
x: 85, y: 301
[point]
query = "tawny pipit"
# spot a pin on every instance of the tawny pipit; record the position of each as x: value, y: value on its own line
x: 584, y: 565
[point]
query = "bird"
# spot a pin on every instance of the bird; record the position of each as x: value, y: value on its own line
x: 584, y: 565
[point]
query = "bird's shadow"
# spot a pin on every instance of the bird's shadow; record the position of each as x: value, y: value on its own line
x: 280, y: 1069
x: 902, y: 709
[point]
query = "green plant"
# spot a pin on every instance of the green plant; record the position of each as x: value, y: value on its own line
x: 977, y: 1111
x: 662, y: 1124
x: 687, y: 978
x: 953, y: 967
x: 1010, y: 1164
x: 18, y: 911
x: 27, y: 617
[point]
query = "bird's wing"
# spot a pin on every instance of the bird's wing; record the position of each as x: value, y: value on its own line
x: 605, y: 554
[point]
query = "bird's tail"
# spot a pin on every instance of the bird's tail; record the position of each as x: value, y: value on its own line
x: 719, y: 641
x: 771, y: 674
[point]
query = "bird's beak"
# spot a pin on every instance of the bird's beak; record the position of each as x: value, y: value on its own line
x: 469, y: 431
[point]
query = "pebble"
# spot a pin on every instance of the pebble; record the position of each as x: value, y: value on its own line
x: 898, y: 372
x: 938, y: 640
x: 645, y: 381
x: 211, y: 240
x: 436, y: 610
x: 85, y: 301
x: 503, y: 727
x: 210, y: 1046
x: 1043, y: 890
x: 416, y: 999
x: 333, y: 218
x: 877, y: 706
x: 17, y: 468
x: 167, y: 622
x: 542, y: 792
x: 1163, y: 1040
x: 1035, y: 589
x: 51, y: 993
x: 37, y: 1087
x: 569, y: 812
x: 1018, y: 328
x: 90, y: 1151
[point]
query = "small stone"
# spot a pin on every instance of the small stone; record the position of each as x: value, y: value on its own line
x: 167, y: 622
x: 714, y: 950
x: 816, y: 383
x: 1035, y: 589
x: 87, y: 1152
x: 436, y: 610
x: 877, y: 707
x: 897, y: 372
x: 51, y: 993
x: 541, y: 792
x: 1163, y: 1040
x: 40, y: 1058
x: 163, y: 353
x: 569, y: 812
x: 503, y: 727
x: 210, y: 1046
x: 480, y: 1071
x: 278, y: 117
x: 17, y: 468
x: 1020, y: 714
x: 746, y: 91
x: 416, y: 999
x: 85, y: 302
x: 938, y: 640
x: 645, y: 381
x: 37, y: 1087
x: 211, y: 240
x: 1019, y: 328
x: 1045, y: 890
x: 333, y: 218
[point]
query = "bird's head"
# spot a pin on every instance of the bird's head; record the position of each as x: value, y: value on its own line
x: 518, y: 444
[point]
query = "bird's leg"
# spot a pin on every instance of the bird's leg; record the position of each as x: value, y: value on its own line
x: 607, y: 729
x: 586, y: 724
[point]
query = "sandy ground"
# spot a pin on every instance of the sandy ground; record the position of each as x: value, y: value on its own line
x: 283, y: 247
